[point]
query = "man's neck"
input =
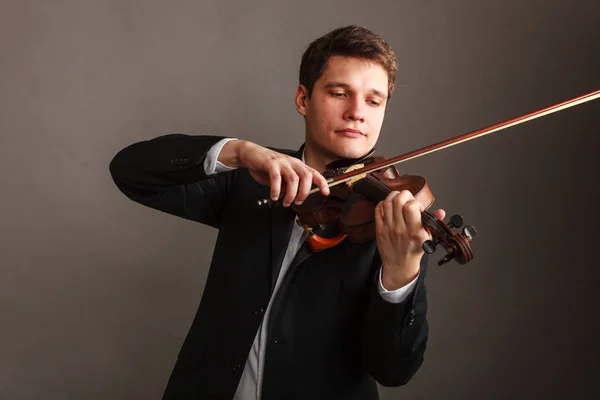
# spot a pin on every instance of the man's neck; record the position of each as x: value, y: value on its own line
x: 314, y: 160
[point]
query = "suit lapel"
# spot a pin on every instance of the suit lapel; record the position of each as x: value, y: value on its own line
x: 303, y: 253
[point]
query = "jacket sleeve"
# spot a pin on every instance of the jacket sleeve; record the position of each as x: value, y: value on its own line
x: 167, y: 173
x: 397, y: 295
x: 395, y: 334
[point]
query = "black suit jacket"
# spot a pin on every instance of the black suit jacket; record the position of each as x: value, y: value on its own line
x: 331, y: 334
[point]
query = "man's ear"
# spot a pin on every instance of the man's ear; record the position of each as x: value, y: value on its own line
x: 301, y: 99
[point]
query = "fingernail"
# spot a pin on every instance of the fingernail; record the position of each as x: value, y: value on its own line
x: 298, y: 202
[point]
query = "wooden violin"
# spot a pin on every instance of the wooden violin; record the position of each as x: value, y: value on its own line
x: 357, y: 186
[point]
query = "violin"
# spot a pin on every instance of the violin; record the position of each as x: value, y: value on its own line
x: 358, y: 185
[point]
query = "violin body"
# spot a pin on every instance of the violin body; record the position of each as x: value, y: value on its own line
x: 351, y: 207
x: 349, y: 210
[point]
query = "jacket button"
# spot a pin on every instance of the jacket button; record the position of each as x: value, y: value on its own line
x: 411, y: 317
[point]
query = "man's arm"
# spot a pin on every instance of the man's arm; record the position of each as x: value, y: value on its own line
x: 175, y: 174
x: 395, y: 333
x: 172, y: 173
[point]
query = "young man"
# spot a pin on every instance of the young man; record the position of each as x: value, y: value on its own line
x: 278, y: 321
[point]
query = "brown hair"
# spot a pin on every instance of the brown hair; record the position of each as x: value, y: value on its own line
x: 349, y: 41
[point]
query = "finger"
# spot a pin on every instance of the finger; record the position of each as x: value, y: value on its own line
x: 305, y: 184
x: 320, y: 181
x: 275, y: 181
x: 379, y: 220
x: 412, y: 218
x: 291, y: 184
x: 399, y: 202
x: 440, y: 214
x: 388, y: 209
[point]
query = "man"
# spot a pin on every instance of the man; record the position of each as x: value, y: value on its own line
x: 277, y: 321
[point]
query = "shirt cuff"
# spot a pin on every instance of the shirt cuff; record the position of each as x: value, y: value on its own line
x: 398, y: 295
x: 211, y: 163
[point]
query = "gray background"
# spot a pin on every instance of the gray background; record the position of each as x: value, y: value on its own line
x: 97, y: 292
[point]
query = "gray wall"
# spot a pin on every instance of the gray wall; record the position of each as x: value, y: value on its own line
x: 97, y: 292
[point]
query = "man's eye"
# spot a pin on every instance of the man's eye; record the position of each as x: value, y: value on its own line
x: 337, y: 94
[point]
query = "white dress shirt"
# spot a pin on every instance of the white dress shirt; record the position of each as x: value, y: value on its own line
x: 249, y: 387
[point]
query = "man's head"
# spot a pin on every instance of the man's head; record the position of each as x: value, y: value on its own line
x: 346, y: 78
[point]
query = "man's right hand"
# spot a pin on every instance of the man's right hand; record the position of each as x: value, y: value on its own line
x: 282, y: 173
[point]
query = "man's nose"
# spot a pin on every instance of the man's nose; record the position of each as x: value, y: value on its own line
x: 355, y: 112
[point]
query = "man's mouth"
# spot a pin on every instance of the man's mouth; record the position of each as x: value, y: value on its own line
x: 350, y: 132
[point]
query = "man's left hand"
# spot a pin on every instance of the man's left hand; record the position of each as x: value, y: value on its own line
x: 400, y: 236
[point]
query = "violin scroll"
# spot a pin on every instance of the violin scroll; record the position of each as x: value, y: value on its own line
x: 457, y: 245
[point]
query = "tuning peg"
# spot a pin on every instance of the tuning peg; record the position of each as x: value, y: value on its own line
x: 446, y: 259
x: 429, y: 246
x: 469, y: 231
x: 456, y: 221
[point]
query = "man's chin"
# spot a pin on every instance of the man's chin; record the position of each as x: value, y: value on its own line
x: 352, y: 153
x: 346, y: 151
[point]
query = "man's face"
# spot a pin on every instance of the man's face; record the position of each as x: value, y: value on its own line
x: 345, y: 112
